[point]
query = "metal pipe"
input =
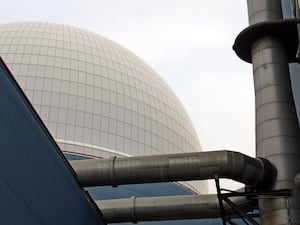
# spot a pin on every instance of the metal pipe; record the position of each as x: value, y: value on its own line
x: 167, y: 208
x: 277, y: 129
x: 174, y: 167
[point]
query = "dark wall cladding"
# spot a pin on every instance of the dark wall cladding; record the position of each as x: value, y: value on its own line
x: 294, y: 67
x: 36, y: 183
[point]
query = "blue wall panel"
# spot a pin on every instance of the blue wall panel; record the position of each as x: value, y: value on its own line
x: 37, y: 185
x: 294, y: 67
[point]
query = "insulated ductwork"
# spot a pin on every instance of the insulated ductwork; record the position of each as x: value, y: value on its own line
x: 176, y: 167
x: 167, y: 208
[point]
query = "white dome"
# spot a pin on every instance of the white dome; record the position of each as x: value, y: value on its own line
x: 95, y: 97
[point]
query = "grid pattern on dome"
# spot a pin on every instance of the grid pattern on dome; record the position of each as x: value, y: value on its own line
x: 90, y: 90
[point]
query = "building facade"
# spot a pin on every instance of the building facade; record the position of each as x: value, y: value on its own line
x: 294, y: 67
x: 38, y: 185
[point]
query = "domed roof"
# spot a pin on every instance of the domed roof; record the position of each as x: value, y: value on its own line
x: 96, y: 97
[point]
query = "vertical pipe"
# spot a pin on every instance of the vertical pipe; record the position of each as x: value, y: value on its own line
x: 277, y: 129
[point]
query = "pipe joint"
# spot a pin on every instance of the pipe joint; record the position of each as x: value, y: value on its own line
x: 112, y: 171
x: 268, y: 176
x: 297, y: 180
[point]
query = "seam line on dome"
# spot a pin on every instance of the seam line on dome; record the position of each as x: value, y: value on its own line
x: 76, y: 143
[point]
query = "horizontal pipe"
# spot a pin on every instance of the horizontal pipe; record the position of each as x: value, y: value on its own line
x: 167, y: 208
x: 174, y: 167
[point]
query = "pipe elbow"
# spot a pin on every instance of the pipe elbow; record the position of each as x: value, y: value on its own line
x: 268, y: 176
x: 258, y: 173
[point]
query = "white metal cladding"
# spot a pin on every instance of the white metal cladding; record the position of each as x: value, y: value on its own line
x: 88, y: 89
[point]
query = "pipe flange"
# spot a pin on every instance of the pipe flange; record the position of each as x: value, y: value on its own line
x: 284, y: 30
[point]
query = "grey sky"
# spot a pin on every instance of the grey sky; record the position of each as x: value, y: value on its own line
x: 189, y: 43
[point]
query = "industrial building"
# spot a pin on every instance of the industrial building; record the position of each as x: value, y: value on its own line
x: 99, y: 101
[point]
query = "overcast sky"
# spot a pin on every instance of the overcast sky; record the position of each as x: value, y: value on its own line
x: 188, y: 42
